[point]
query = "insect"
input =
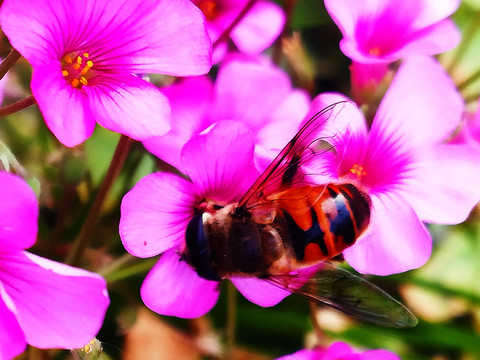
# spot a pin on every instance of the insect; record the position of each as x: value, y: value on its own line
x: 286, y: 229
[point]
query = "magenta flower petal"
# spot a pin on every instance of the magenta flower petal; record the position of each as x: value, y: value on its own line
x: 12, y: 340
x: 446, y: 184
x: 427, y: 40
x: 190, y: 100
x: 432, y: 11
x: 340, y: 350
x: 219, y: 14
x: 383, y: 31
x: 422, y: 104
x: 173, y: 288
x: 376, y: 355
x: 284, y: 121
x: 92, y: 49
x: 140, y: 36
x: 366, y: 79
x: 259, y: 28
x: 220, y: 161
x: 303, y: 355
x: 174, y: 38
x: 70, y: 120
x: 219, y: 52
x: 259, y: 291
x: 262, y: 97
x: 395, y: 242
x: 155, y: 213
x: 116, y: 102
x: 249, y: 89
x: 56, y: 305
x: 18, y: 213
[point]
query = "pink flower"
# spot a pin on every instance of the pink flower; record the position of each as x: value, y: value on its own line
x: 43, y: 303
x: 380, y: 31
x: 156, y: 212
x: 404, y: 164
x: 248, y: 89
x: 254, y: 33
x: 85, y: 54
x: 469, y: 133
x: 366, y: 81
x: 340, y: 351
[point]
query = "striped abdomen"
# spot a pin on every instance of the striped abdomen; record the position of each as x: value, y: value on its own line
x: 323, y: 221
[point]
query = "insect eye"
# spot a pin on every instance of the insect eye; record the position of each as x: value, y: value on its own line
x: 217, y: 207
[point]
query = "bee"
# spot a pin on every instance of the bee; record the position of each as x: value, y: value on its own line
x: 286, y: 230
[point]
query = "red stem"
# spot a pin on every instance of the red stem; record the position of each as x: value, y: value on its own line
x: 226, y: 33
x: 88, y: 227
x: 8, y: 62
x: 18, y: 106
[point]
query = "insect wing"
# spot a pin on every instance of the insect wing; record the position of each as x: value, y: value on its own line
x: 350, y: 294
x: 284, y: 170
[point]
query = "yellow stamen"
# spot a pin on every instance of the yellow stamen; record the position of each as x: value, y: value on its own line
x: 375, y: 51
x: 76, y: 72
x: 358, y: 170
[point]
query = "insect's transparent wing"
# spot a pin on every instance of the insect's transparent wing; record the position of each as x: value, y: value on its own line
x: 284, y: 171
x: 348, y: 293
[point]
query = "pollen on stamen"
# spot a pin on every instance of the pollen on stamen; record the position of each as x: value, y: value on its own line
x: 77, y: 71
x: 87, y: 67
x: 358, y: 170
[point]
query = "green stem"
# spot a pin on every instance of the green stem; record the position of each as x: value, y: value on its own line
x: 116, y: 265
x: 18, y: 106
x: 226, y: 33
x: 469, y: 81
x: 121, y: 268
x: 8, y: 62
x: 465, y: 43
x: 231, y: 320
x: 86, y: 232
x: 471, y: 98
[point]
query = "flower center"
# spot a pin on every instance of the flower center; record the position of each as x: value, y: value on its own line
x: 209, y: 8
x: 375, y: 51
x: 358, y: 171
x: 76, y: 70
